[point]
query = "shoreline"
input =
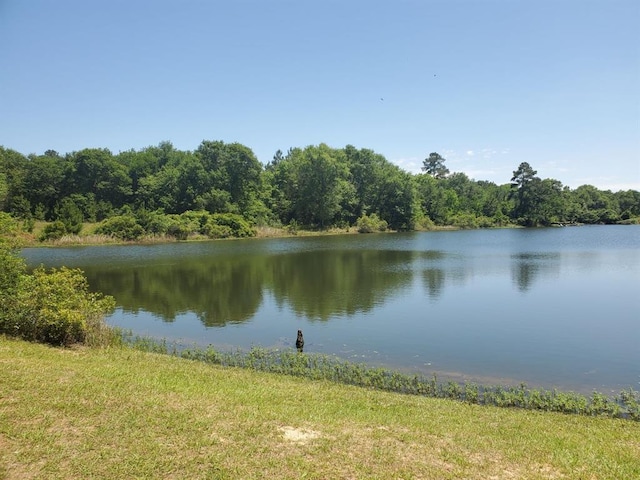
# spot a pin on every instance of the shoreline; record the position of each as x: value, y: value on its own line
x: 91, y: 239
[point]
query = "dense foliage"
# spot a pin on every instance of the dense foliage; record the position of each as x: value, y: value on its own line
x: 221, y: 190
x: 53, y: 306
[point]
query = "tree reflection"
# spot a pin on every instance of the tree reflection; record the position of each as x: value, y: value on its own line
x: 230, y: 289
x: 218, y: 291
x: 433, y: 280
x: 326, y: 283
x: 527, y: 267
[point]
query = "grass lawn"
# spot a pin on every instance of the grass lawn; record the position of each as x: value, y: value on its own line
x: 121, y: 413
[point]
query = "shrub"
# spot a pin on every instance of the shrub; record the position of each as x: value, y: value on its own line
x: 465, y: 220
x: 9, y: 230
x: 124, y: 227
x: 54, y: 307
x: 154, y: 223
x: 70, y: 215
x: 13, y: 267
x: 371, y: 223
x: 53, y: 231
x: 213, y: 230
x: 185, y: 224
x: 425, y: 223
x: 220, y: 224
x: 179, y: 230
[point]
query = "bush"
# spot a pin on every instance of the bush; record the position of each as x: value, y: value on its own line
x: 9, y: 230
x: 220, y: 224
x: 53, y: 231
x: 70, y: 215
x: 465, y: 220
x: 425, y: 223
x: 13, y: 267
x: 179, y: 230
x: 124, y: 227
x: 187, y: 223
x: 54, y: 307
x: 370, y: 224
x: 153, y: 223
x: 213, y: 230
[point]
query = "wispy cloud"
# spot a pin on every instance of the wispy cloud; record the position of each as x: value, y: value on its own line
x: 486, y: 163
x: 409, y: 164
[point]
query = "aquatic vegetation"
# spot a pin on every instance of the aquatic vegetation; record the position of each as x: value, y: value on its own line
x: 325, y: 367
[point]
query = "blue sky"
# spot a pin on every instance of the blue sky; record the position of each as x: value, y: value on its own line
x: 486, y: 83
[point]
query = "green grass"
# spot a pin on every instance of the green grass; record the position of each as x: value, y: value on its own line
x: 123, y: 413
x: 325, y: 367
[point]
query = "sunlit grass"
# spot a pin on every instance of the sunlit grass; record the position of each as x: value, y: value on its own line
x: 327, y: 367
x: 123, y: 413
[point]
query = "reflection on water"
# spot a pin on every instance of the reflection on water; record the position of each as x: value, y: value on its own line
x: 526, y: 267
x: 229, y: 289
x: 548, y: 306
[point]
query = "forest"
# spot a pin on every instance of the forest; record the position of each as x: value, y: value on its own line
x: 222, y: 190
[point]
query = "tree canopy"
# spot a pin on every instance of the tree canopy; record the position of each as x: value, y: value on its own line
x: 316, y: 186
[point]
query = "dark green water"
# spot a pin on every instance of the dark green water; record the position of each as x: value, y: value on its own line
x: 552, y: 307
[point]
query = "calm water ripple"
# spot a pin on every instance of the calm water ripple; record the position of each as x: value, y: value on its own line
x: 553, y: 307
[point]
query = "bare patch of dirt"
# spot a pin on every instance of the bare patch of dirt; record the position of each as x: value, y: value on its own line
x: 299, y: 435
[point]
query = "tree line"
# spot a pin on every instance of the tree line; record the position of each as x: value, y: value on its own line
x: 158, y: 189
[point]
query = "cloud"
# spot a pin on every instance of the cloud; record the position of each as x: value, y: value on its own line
x: 488, y: 153
x: 492, y: 164
x: 613, y: 184
x: 410, y: 164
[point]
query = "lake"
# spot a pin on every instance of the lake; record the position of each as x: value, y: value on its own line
x: 554, y: 307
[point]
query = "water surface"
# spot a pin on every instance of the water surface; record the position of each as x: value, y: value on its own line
x: 553, y: 307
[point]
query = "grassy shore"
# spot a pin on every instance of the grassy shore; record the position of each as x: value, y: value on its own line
x: 123, y: 413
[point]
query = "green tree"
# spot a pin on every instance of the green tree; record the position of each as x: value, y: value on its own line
x: 20, y: 207
x: 279, y: 186
x: 180, y: 184
x: 367, y: 172
x: 320, y: 184
x: 437, y: 202
x: 628, y: 201
x: 551, y: 203
x: 397, y: 201
x: 495, y: 202
x: 243, y: 173
x: 13, y: 173
x: 192, y: 184
x: 525, y: 184
x: 160, y: 191
x: 44, y: 181
x: 140, y: 165
x: 434, y: 165
x: 595, y: 206
x: 4, y: 190
x: 537, y: 202
x: 317, y: 173
x: 232, y: 168
x: 70, y: 215
x: 95, y: 170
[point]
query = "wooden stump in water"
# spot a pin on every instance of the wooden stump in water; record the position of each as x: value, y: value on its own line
x: 300, y: 341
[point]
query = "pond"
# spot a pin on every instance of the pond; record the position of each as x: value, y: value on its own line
x: 554, y: 307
